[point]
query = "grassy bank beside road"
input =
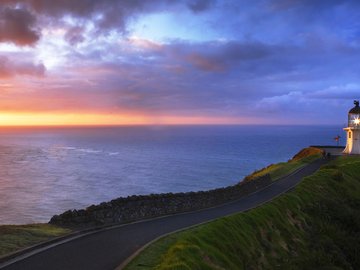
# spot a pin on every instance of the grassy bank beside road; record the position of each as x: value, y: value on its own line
x: 278, y: 170
x: 315, y: 226
x: 15, y: 237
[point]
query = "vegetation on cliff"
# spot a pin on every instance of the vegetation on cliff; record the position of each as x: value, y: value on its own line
x: 15, y: 237
x: 317, y: 225
x: 278, y: 170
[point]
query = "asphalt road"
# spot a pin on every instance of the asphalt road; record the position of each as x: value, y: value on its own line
x: 108, y: 249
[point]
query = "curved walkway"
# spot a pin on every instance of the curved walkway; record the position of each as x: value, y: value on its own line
x: 109, y: 248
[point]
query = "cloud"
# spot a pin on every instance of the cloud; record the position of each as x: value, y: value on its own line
x: 144, y: 44
x: 218, y: 77
x: 75, y: 35
x: 213, y: 57
x: 292, y: 101
x: 10, y: 68
x: 239, y: 59
x: 218, y: 56
x: 200, y: 5
x: 104, y: 15
x: 308, y: 4
x: 18, y: 26
x: 348, y: 91
x: 213, y: 77
x: 205, y: 63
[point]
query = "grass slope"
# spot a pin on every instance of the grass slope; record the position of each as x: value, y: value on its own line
x: 278, y: 170
x: 15, y: 237
x: 316, y: 226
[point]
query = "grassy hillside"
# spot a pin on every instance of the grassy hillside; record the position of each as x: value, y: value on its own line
x: 15, y: 237
x: 281, y: 169
x: 316, y: 226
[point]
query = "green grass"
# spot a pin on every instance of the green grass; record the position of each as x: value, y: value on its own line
x: 316, y: 226
x: 16, y: 237
x: 279, y: 170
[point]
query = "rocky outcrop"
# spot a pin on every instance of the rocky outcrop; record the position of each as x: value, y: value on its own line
x: 134, y: 208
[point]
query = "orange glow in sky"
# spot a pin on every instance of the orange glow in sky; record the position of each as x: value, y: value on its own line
x: 92, y: 119
x: 60, y: 119
x: 70, y: 63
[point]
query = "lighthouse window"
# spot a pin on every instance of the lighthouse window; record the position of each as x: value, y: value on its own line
x: 349, y: 135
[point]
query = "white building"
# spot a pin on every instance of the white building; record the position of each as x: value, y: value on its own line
x: 353, y: 131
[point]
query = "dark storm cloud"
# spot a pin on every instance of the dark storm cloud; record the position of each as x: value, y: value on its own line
x: 18, y: 26
x: 10, y: 68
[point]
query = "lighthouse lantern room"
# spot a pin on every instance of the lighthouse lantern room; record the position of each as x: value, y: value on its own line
x: 353, y: 131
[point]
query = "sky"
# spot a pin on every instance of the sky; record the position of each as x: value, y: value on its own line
x: 114, y: 62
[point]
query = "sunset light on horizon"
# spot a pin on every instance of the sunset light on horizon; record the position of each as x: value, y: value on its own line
x: 93, y: 119
x: 177, y: 62
x: 168, y: 134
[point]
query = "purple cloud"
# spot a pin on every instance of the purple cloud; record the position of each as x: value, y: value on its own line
x: 75, y: 35
x: 200, y: 5
x: 18, y: 26
x: 10, y: 68
x: 286, y: 58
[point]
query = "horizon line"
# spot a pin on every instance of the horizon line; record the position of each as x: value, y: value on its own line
x: 159, y: 125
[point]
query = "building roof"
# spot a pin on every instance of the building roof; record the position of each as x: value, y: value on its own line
x: 356, y: 109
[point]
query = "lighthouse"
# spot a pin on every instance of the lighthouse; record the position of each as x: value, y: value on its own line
x: 353, y: 131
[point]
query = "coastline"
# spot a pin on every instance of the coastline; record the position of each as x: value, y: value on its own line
x: 249, y: 184
x: 134, y: 208
x: 70, y: 171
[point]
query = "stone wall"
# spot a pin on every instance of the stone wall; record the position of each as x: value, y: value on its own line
x: 134, y: 208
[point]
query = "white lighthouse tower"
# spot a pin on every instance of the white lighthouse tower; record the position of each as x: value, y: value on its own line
x: 353, y: 131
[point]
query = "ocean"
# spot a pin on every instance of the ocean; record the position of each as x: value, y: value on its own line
x: 45, y: 171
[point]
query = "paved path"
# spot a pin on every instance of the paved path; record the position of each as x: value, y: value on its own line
x: 108, y: 249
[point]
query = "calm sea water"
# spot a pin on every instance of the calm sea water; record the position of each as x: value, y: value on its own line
x: 46, y: 171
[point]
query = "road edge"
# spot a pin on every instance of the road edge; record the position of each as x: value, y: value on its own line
x: 136, y: 253
x: 33, y: 250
